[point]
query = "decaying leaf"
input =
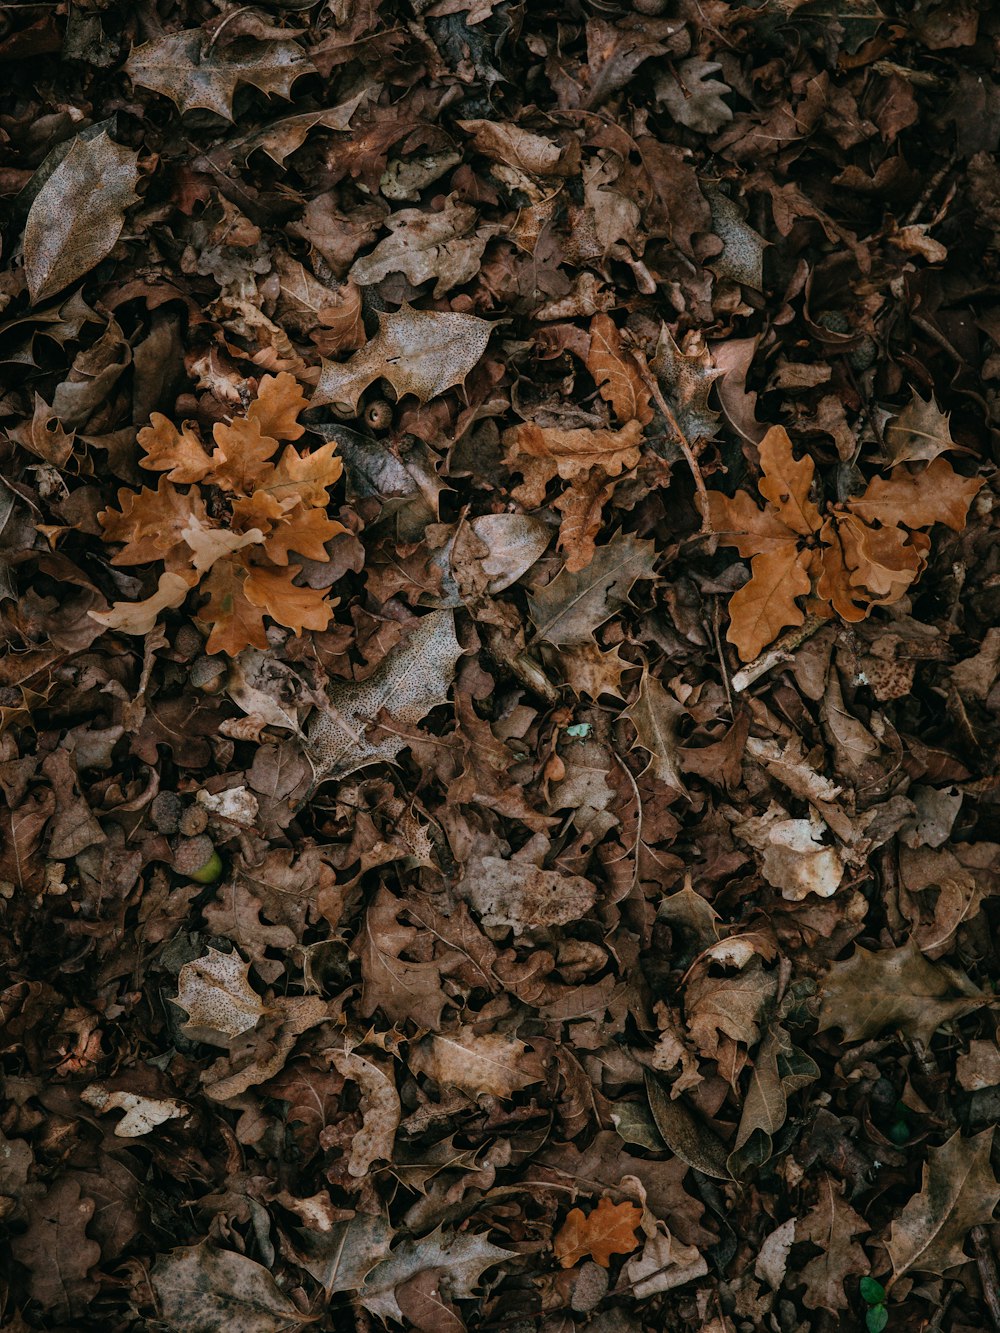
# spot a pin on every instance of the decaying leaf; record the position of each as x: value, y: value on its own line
x: 893, y: 988
x: 345, y: 735
x: 215, y: 992
x: 477, y: 1063
x: 656, y: 716
x: 958, y: 1191
x: 194, y: 72
x: 463, y: 1258
x: 422, y: 352
x: 220, y: 1291
x: 831, y: 1224
x: 569, y: 609
x: 78, y: 214
x: 606, y: 1230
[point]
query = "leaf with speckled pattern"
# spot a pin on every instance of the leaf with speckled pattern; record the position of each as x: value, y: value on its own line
x: 78, y: 214
x: 422, y: 352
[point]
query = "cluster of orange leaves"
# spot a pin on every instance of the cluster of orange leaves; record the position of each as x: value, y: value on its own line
x: 608, y: 1229
x: 234, y: 541
x: 854, y: 556
x: 589, y: 459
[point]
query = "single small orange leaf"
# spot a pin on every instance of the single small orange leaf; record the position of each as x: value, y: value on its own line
x: 303, y: 531
x: 236, y: 623
x: 608, y: 1229
x: 786, y: 482
x: 277, y: 405
x: 616, y: 374
x: 304, y: 477
x: 178, y: 453
x: 297, y: 608
x: 762, y: 608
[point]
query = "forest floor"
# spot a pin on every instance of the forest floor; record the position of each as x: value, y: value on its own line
x: 499, y: 693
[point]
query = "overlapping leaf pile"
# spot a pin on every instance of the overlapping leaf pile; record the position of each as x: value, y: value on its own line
x: 435, y: 890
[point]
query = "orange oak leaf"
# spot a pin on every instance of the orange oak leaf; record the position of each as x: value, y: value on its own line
x: 150, y: 523
x: 786, y: 482
x: 178, y: 453
x: 240, y: 460
x: 236, y: 622
x: 277, y: 405
x: 570, y: 453
x: 297, y: 608
x: 581, y: 508
x: 766, y: 605
x: 608, y: 1229
x: 303, y: 530
x: 304, y: 477
x: 615, y: 373
x: 934, y: 494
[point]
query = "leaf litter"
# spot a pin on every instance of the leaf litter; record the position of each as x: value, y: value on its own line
x: 499, y: 689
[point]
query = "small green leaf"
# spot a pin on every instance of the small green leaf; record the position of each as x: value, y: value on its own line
x: 876, y: 1319
x: 899, y: 1132
x: 872, y: 1292
x: 578, y: 730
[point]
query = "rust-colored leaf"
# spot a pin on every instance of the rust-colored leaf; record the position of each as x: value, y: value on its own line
x: 766, y: 605
x: 608, y: 1229
x: 616, y: 374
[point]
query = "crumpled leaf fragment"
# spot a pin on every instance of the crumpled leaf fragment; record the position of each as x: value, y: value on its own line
x: 477, y: 1063
x: 574, y: 604
x: 463, y: 1256
x: 794, y: 859
x: 445, y: 245
x: 423, y: 352
x: 78, y: 214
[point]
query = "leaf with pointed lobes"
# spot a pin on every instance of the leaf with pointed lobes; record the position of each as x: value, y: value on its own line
x: 656, y: 716
x: 423, y: 352
x: 574, y: 604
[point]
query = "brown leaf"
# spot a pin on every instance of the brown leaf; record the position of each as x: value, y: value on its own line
x: 616, y: 374
x: 608, y: 1229
x: 58, y: 1253
x: 893, y: 988
x: 194, y: 72
x: 151, y: 523
x: 656, y: 716
x: 178, y: 453
x: 220, y: 1291
x: 934, y: 494
x: 574, y: 604
x: 766, y: 605
x: 78, y: 214
x: 236, y: 622
x: 831, y: 1224
x: 443, y: 244
x: 786, y: 482
x: 286, y: 602
x: 477, y: 1063
x: 423, y: 352
x: 958, y: 1191
x: 919, y: 434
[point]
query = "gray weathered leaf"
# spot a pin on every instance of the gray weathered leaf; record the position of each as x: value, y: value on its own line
x: 571, y: 607
x: 186, y: 68
x: 463, y: 1257
x: 220, y: 1291
x: 407, y: 685
x: 444, y: 245
x: 78, y: 214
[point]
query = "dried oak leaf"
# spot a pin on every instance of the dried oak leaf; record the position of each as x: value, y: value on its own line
x: 58, y: 1253
x: 958, y: 1192
x: 893, y: 988
x: 194, y: 72
x: 423, y: 352
x: 216, y: 993
x: 78, y: 214
x: 401, y: 988
x: 606, y: 1230
x: 831, y: 1224
x: 569, y: 609
x: 219, y: 1291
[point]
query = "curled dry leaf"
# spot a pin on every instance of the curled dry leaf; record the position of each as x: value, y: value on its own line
x: 606, y: 1230
x: 142, y: 1114
x: 477, y: 1063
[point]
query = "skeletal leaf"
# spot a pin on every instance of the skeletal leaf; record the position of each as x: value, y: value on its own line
x: 413, y: 678
x: 422, y: 352
x: 216, y: 993
x: 78, y: 214
x: 958, y: 1192
x: 464, y: 1257
x: 186, y: 68
x: 142, y: 1114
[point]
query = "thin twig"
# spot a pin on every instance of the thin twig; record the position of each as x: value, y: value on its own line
x: 778, y: 653
x: 680, y: 438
